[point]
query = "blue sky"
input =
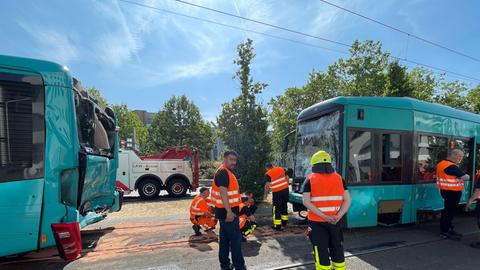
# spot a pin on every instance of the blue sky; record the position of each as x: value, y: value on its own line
x: 142, y: 57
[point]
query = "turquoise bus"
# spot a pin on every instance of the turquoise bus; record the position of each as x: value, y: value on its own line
x: 386, y: 149
x: 58, y: 157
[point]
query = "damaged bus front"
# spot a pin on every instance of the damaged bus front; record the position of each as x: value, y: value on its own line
x: 58, y: 158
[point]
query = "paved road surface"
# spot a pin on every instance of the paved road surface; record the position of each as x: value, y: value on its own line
x: 157, y: 236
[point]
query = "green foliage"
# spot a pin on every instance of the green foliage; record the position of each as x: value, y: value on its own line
x: 243, y: 124
x: 95, y: 93
x: 128, y: 121
x: 179, y: 123
x: 474, y: 99
x: 208, y: 168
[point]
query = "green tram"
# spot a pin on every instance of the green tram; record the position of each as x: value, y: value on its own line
x: 386, y: 149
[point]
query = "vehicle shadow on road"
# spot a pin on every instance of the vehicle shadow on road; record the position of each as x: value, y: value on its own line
x: 48, y: 259
x: 161, y: 198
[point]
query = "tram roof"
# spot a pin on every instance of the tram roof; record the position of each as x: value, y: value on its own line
x: 404, y: 103
x: 53, y: 74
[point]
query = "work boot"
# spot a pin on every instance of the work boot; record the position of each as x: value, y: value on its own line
x: 231, y: 267
x: 196, y: 229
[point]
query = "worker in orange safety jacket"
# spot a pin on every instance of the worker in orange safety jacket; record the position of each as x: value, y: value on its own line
x: 201, y: 212
x: 450, y: 181
x: 327, y: 199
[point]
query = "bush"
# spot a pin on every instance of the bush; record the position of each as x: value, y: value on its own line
x: 208, y: 168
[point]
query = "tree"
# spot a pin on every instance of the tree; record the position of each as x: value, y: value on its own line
x: 179, y: 123
x: 473, y: 98
x: 397, y: 81
x: 95, y: 93
x: 128, y: 121
x: 243, y: 124
x: 453, y: 94
x: 363, y: 73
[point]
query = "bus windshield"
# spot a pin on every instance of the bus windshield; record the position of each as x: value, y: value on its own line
x: 314, y: 135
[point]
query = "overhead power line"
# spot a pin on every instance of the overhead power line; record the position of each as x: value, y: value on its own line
x: 264, y: 23
x: 402, y: 31
x: 233, y: 27
x: 292, y: 40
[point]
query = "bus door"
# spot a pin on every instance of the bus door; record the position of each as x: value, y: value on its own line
x: 22, y: 142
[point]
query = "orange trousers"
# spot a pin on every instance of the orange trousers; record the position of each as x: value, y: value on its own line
x: 204, y: 222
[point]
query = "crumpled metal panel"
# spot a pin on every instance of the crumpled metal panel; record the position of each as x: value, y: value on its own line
x: 98, y: 186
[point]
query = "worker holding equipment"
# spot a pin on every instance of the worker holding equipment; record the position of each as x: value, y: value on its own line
x: 277, y: 181
x: 201, y: 215
x: 450, y: 181
x: 226, y: 197
x: 327, y: 199
x: 246, y: 219
x: 475, y: 197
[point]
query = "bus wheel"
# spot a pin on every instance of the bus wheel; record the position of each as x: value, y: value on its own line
x: 148, y: 189
x: 177, y: 187
x: 303, y: 214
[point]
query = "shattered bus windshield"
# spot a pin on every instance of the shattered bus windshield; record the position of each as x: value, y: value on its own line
x: 314, y: 135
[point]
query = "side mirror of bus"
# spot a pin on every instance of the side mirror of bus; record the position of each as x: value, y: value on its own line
x: 285, y: 145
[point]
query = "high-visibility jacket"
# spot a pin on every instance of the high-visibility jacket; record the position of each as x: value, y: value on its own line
x: 279, y: 179
x: 242, y: 218
x: 232, y: 189
x: 326, y: 194
x: 446, y: 181
x: 198, y: 207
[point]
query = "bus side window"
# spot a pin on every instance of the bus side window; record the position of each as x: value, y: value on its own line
x: 391, y: 158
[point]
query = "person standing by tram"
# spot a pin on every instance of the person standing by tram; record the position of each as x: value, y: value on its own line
x: 327, y: 199
x: 450, y: 181
x: 277, y: 181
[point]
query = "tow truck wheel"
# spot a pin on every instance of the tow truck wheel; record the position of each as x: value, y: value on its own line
x: 177, y: 187
x: 148, y: 189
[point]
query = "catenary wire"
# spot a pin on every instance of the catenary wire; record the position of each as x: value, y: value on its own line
x: 467, y: 77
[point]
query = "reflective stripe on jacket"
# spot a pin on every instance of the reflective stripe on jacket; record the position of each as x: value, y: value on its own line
x: 279, y: 179
x: 232, y: 191
x: 326, y: 194
x: 446, y: 181
x: 198, y: 207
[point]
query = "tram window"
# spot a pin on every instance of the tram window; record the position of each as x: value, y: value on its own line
x: 359, y: 169
x: 391, y: 157
x: 462, y: 145
x: 431, y: 149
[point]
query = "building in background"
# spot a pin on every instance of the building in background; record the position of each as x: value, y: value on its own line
x: 145, y: 117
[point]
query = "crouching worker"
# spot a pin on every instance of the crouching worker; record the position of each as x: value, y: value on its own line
x: 326, y: 197
x: 246, y: 219
x: 201, y: 215
x: 250, y: 202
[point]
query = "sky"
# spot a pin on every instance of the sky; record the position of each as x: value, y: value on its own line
x: 141, y: 57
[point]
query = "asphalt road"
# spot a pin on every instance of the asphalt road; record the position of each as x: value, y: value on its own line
x: 157, y: 236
